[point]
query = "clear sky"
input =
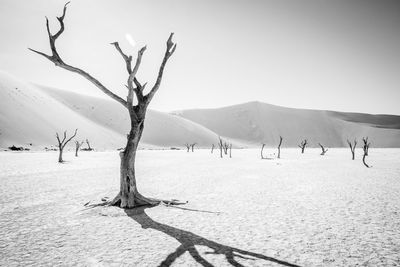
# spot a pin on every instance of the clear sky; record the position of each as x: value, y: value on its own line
x: 337, y: 55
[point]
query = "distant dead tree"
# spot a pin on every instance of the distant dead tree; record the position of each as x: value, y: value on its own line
x: 365, y: 149
x: 303, y: 145
x: 212, y: 148
x: 221, y: 147
x: 128, y: 196
x: 226, y: 147
x: 192, y: 146
x: 230, y: 150
x: 187, y: 147
x: 352, y: 147
x: 77, y: 147
x: 62, y: 143
x: 279, y: 147
x: 88, y: 144
x: 262, y: 155
x: 323, y: 149
x: 262, y: 148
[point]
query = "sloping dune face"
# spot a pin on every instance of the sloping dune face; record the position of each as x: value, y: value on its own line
x: 32, y: 114
x: 161, y: 129
x: 259, y: 122
x: 31, y: 118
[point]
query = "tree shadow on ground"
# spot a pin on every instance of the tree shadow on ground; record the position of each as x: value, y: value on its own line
x: 188, y: 241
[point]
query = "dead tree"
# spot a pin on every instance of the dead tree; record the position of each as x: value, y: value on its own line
x: 128, y: 196
x: 279, y: 147
x: 62, y: 143
x: 226, y: 147
x: 365, y: 149
x: 187, y: 147
x: 212, y: 148
x: 192, y: 146
x: 352, y: 148
x: 262, y: 148
x: 323, y: 149
x: 230, y: 150
x: 303, y: 145
x: 77, y: 147
x: 221, y: 147
x: 88, y: 144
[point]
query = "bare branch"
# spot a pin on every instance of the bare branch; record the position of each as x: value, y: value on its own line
x: 56, y: 59
x: 128, y: 59
x: 171, y: 46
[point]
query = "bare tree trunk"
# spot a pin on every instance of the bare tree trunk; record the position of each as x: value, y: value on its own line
x: 212, y: 149
x: 220, y: 147
x: 187, y: 147
x: 62, y: 143
x: 365, y: 149
x: 230, y: 150
x: 192, y: 146
x: 303, y: 145
x: 352, y: 148
x: 262, y: 148
x: 77, y: 147
x: 60, y: 152
x: 279, y: 147
x: 323, y: 149
x: 129, y: 195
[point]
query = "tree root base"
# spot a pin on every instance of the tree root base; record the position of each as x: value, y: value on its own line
x: 139, y: 201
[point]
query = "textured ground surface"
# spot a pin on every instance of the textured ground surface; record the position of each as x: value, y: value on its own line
x: 305, y: 210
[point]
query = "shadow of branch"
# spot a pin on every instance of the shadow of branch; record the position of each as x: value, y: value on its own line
x: 188, y: 241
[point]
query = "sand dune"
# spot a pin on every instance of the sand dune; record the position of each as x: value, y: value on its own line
x: 263, y: 123
x: 32, y: 114
x: 29, y: 116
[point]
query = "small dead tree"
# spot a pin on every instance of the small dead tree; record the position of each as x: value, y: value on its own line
x: 352, y: 148
x: 128, y: 196
x: 365, y: 149
x: 77, y: 147
x: 226, y: 147
x: 324, y: 150
x: 221, y: 147
x: 212, y: 148
x: 279, y: 147
x: 230, y: 150
x: 62, y: 143
x: 88, y: 144
x: 262, y: 148
x: 192, y: 146
x: 187, y: 147
x: 303, y: 145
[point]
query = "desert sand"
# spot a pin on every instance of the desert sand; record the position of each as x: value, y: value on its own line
x: 305, y: 210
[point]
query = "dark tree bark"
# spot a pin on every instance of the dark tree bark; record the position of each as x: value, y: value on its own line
x: 262, y: 148
x: 221, y: 147
x: 192, y: 146
x: 129, y: 196
x: 77, y: 147
x: 303, y: 145
x: 88, y: 144
x: 226, y: 147
x: 230, y: 150
x: 324, y: 150
x: 212, y: 148
x: 187, y: 147
x: 365, y: 149
x: 279, y: 147
x: 62, y: 143
x: 352, y: 148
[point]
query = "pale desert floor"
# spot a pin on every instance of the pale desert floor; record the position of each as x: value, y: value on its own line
x: 306, y: 210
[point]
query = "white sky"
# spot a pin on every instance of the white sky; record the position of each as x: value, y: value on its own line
x: 337, y: 55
